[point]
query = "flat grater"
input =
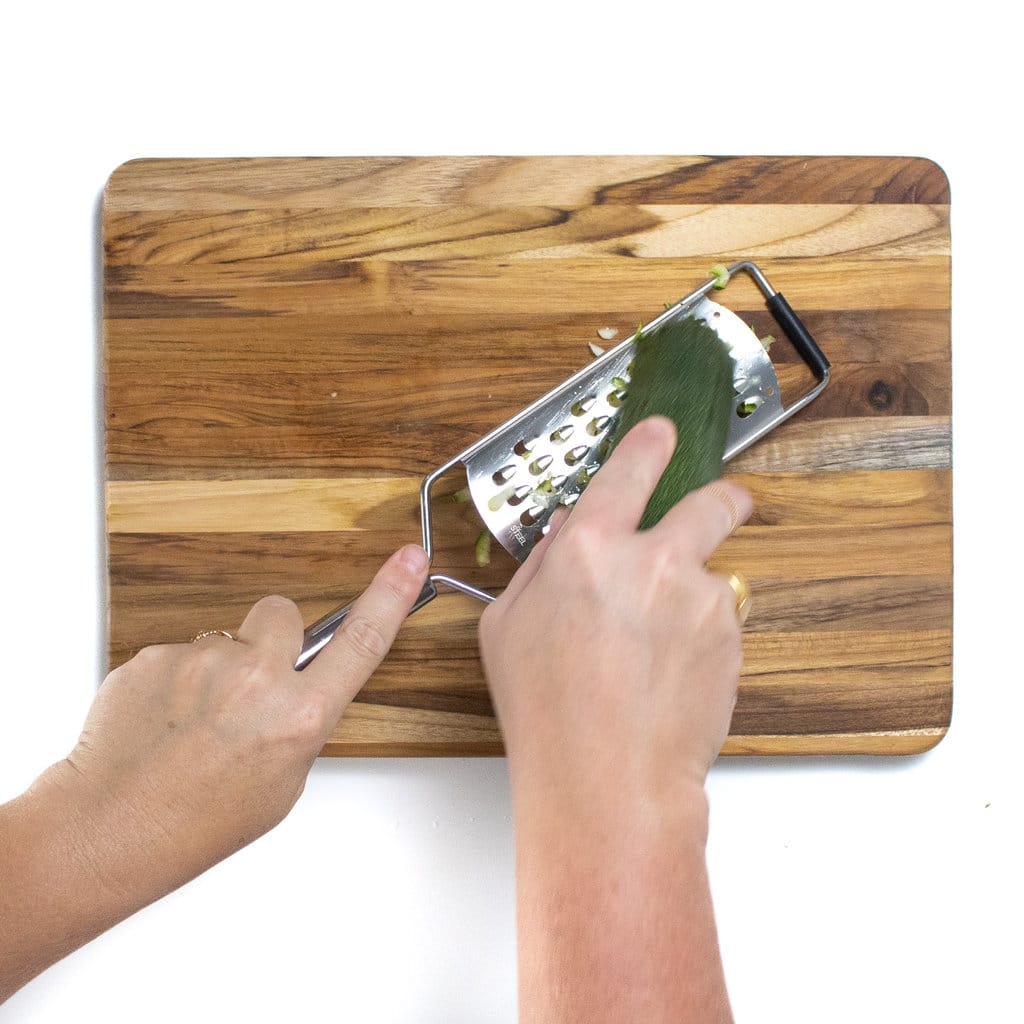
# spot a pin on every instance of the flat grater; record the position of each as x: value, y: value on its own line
x: 544, y: 456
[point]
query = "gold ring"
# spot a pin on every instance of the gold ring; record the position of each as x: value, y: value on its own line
x: 741, y: 588
x: 211, y: 632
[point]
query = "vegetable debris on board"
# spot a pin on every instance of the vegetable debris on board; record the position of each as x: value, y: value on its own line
x: 721, y: 275
x: 483, y: 548
x: 684, y: 371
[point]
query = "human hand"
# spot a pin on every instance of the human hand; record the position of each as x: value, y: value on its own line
x: 190, y: 751
x: 614, y: 655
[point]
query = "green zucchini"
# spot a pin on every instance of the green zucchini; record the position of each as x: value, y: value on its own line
x: 684, y: 371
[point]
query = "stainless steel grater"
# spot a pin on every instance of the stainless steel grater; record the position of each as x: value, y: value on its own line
x: 544, y: 456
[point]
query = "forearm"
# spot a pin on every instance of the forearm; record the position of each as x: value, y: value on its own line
x: 55, y: 896
x: 614, y: 915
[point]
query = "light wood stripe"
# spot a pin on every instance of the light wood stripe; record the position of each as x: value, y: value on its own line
x: 543, y: 233
x: 807, y: 552
x: 467, y: 743
x: 901, y: 742
x: 297, y: 182
x: 342, y: 504
x: 257, y: 506
x: 371, y: 723
x: 771, y: 658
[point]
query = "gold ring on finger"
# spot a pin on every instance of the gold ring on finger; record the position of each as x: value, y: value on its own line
x: 211, y: 632
x: 741, y: 588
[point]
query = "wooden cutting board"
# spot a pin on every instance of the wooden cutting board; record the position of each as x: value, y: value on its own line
x: 291, y: 344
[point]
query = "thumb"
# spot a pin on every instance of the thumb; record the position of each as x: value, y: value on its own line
x: 367, y: 632
x: 529, y: 568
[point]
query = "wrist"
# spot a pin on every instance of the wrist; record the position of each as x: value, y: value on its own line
x: 78, y: 820
x: 100, y: 841
x: 609, y: 793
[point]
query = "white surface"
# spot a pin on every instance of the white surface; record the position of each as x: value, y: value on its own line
x: 846, y: 890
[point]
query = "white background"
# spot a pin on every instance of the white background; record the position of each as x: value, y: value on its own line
x: 847, y: 890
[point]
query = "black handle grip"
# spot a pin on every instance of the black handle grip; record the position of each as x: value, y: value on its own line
x: 799, y: 335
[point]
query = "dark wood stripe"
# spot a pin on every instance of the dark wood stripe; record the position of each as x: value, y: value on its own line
x: 554, y: 342
x: 879, y: 697
x: 866, y: 603
x: 164, y: 588
x: 842, y: 683
x: 371, y: 440
x: 580, y: 288
x: 882, y: 443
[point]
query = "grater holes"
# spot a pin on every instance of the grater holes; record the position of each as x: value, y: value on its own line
x: 576, y: 454
x: 532, y: 515
x: 582, y: 406
x: 748, y: 406
x: 539, y: 465
x: 617, y: 395
x: 512, y: 495
x: 497, y: 500
x: 524, y: 446
x: 597, y: 425
x: 562, y: 433
x: 504, y: 474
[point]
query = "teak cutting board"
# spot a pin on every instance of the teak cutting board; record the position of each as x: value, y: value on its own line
x: 291, y: 344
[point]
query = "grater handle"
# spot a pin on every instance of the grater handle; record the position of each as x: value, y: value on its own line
x: 316, y: 636
x: 799, y: 335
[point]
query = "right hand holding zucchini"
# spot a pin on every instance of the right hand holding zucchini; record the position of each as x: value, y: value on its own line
x: 614, y: 655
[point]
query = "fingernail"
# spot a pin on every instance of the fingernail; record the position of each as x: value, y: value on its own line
x: 663, y: 424
x: 414, y: 558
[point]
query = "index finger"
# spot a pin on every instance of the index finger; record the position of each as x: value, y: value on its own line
x: 620, y: 492
x: 367, y: 632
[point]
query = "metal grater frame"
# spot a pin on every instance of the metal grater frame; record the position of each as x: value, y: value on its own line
x: 545, y: 455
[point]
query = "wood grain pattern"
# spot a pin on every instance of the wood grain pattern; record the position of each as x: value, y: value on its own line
x: 291, y: 344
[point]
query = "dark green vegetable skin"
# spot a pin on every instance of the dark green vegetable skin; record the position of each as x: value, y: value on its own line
x: 683, y: 371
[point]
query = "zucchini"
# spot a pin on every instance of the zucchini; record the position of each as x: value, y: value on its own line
x: 682, y: 370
